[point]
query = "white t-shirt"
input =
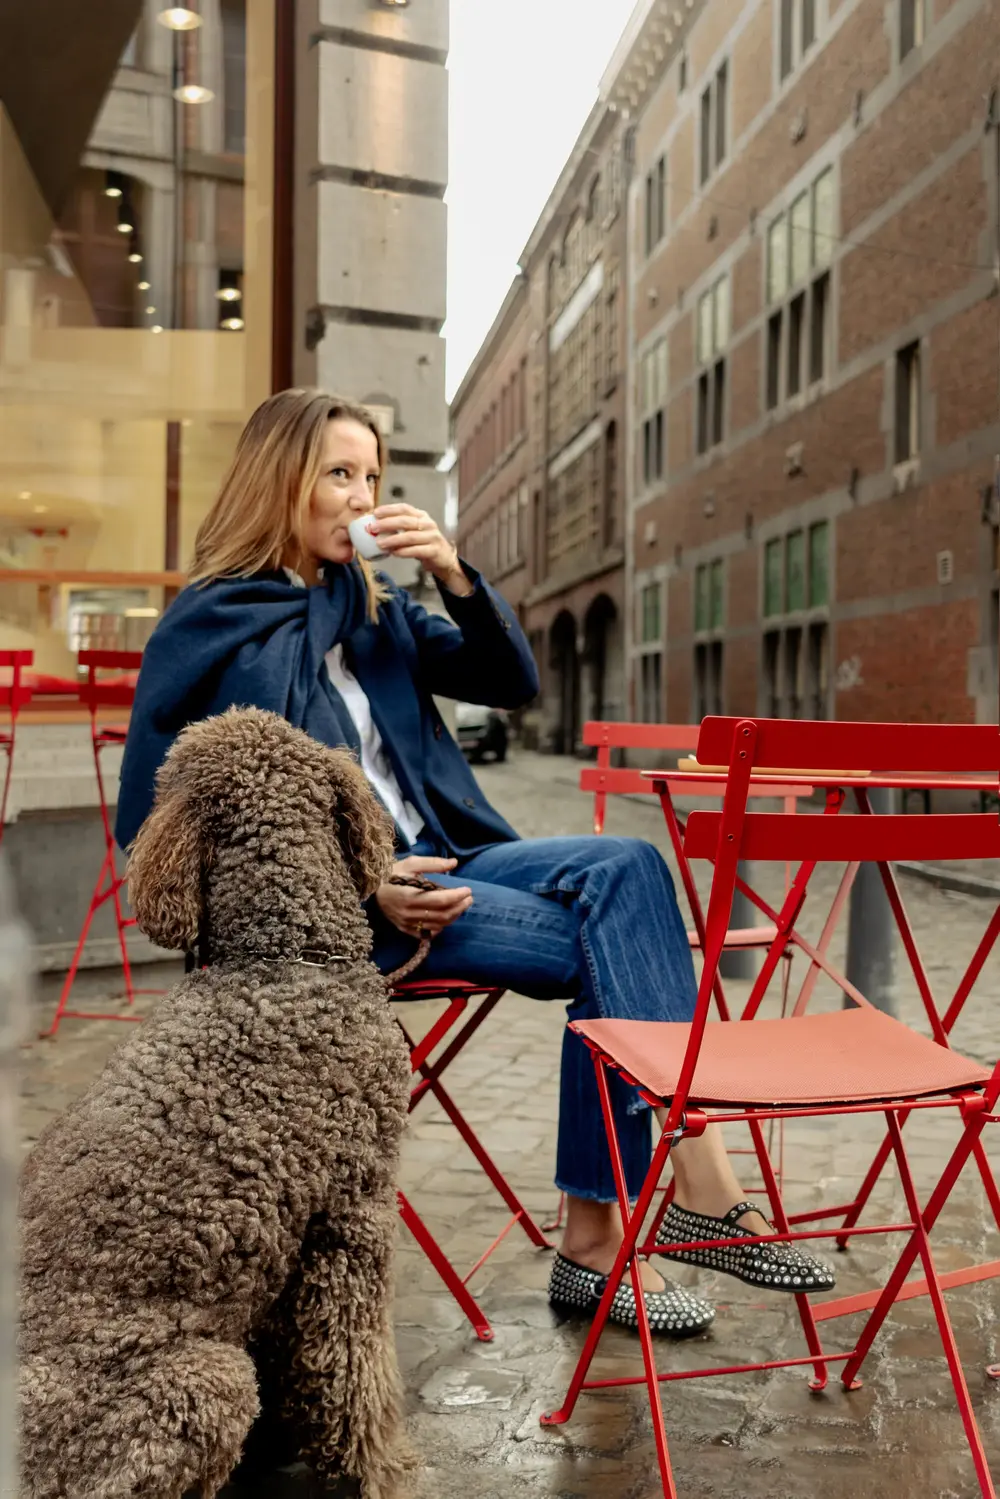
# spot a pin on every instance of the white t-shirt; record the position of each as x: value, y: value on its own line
x: 374, y: 761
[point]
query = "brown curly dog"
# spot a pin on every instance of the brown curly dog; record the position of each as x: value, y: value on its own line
x: 209, y: 1229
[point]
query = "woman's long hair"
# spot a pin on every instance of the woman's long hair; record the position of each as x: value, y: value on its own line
x: 259, y: 514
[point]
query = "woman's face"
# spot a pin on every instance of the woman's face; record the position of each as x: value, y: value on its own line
x: 346, y: 488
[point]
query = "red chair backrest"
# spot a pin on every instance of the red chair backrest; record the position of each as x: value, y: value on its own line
x: 816, y: 746
x: 102, y: 692
x: 601, y: 779
x: 14, y: 693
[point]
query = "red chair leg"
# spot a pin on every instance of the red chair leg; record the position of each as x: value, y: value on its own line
x: 782, y: 1225
x: 97, y: 899
x: 8, y: 749
x: 490, y: 1168
x: 632, y: 1221
x: 951, y: 1015
x: 428, y: 1072
x: 445, y: 1269
x: 919, y: 1244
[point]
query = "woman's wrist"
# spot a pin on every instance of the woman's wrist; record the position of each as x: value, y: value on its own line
x: 451, y: 575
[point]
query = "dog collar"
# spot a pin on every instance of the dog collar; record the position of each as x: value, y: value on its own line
x: 311, y: 957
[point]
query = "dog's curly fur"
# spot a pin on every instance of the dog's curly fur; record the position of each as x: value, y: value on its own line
x: 209, y: 1229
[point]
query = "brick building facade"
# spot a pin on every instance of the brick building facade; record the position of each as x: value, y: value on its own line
x: 815, y: 333
x: 490, y: 429
x: 806, y: 431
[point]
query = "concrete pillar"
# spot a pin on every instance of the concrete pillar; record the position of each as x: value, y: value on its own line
x: 370, y: 224
x: 871, y: 928
x: 741, y: 963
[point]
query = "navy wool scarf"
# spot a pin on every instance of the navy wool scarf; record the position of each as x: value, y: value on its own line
x: 256, y: 642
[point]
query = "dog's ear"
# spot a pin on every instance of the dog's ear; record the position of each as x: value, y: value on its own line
x: 363, y: 827
x: 166, y: 868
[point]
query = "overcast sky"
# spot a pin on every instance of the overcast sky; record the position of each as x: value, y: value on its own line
x: 524, y: 75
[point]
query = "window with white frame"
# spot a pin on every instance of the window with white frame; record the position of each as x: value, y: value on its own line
x: 649, y: 635
x: 714, y: 133
x: 611, y: 325
x: 911, y: 26
x: 712, y: 338
x: 709, y: 622
x: 795, y: 676
x: 509, y: 546
x: 799, y: 252
x: 656, y: 204
x: 653, y: 400
x: 797, y: 32
x: 908, y: 403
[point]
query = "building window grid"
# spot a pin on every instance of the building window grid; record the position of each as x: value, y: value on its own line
x: 656, y: 204
x: 908, y: 394
x: 611, y: 327
x: 797, y: 33
x: 714, y: 128
x: 649, y: 634
x: 497, y: 432
x: 799, y: 252
x: 709, y: 648
x: 497, y: 544
x: 713, y: 329
x: 796, y: 645
x: 653, y: 401
x: 911, y: 26
x: 573, y: 522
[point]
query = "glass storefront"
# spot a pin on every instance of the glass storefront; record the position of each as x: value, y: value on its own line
x: 132, y: 331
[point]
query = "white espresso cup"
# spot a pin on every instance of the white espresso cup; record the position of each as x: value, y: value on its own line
x: 364, y: 543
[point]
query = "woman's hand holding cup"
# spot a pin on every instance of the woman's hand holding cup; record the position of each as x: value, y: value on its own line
x: 400, y: 530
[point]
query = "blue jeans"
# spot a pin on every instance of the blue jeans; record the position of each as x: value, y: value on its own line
x: 591, y: 920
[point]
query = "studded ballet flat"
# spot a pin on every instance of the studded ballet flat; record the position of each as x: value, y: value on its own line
x: 773, y: 1267
x: 575, y: 1291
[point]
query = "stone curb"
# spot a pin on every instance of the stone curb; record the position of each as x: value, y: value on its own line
x: 950, y: 879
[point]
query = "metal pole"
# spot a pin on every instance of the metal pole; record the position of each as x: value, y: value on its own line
x: 14, y: 957
x: 871, y: 930
x: 740, y: 963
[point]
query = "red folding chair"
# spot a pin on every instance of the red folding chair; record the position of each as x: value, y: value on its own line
x: 14, y: 694
x: 851, y: 1061
x: 459, y: 995
x: 97, y: 693
x: 604, y: 780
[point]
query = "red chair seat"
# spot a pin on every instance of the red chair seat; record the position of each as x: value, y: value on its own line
x: 112, y: 734
x: 849, y: 1056
x: 741, y: 937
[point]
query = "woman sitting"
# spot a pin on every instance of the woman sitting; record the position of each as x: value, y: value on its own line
x: 282, y: 614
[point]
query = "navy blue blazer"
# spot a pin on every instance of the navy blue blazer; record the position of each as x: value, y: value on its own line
x: 260, y: 642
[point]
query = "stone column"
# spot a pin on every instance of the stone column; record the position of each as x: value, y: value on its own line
x: 370, y: 224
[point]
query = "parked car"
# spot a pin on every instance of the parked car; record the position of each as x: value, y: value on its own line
x: 481, y: 731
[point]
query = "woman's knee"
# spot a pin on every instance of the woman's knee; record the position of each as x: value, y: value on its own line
x: 637, y: 854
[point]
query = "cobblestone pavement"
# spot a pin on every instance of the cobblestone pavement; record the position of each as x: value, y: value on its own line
x: 474, y: 1407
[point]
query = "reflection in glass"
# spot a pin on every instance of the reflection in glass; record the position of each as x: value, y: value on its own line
x: 112, y: 442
